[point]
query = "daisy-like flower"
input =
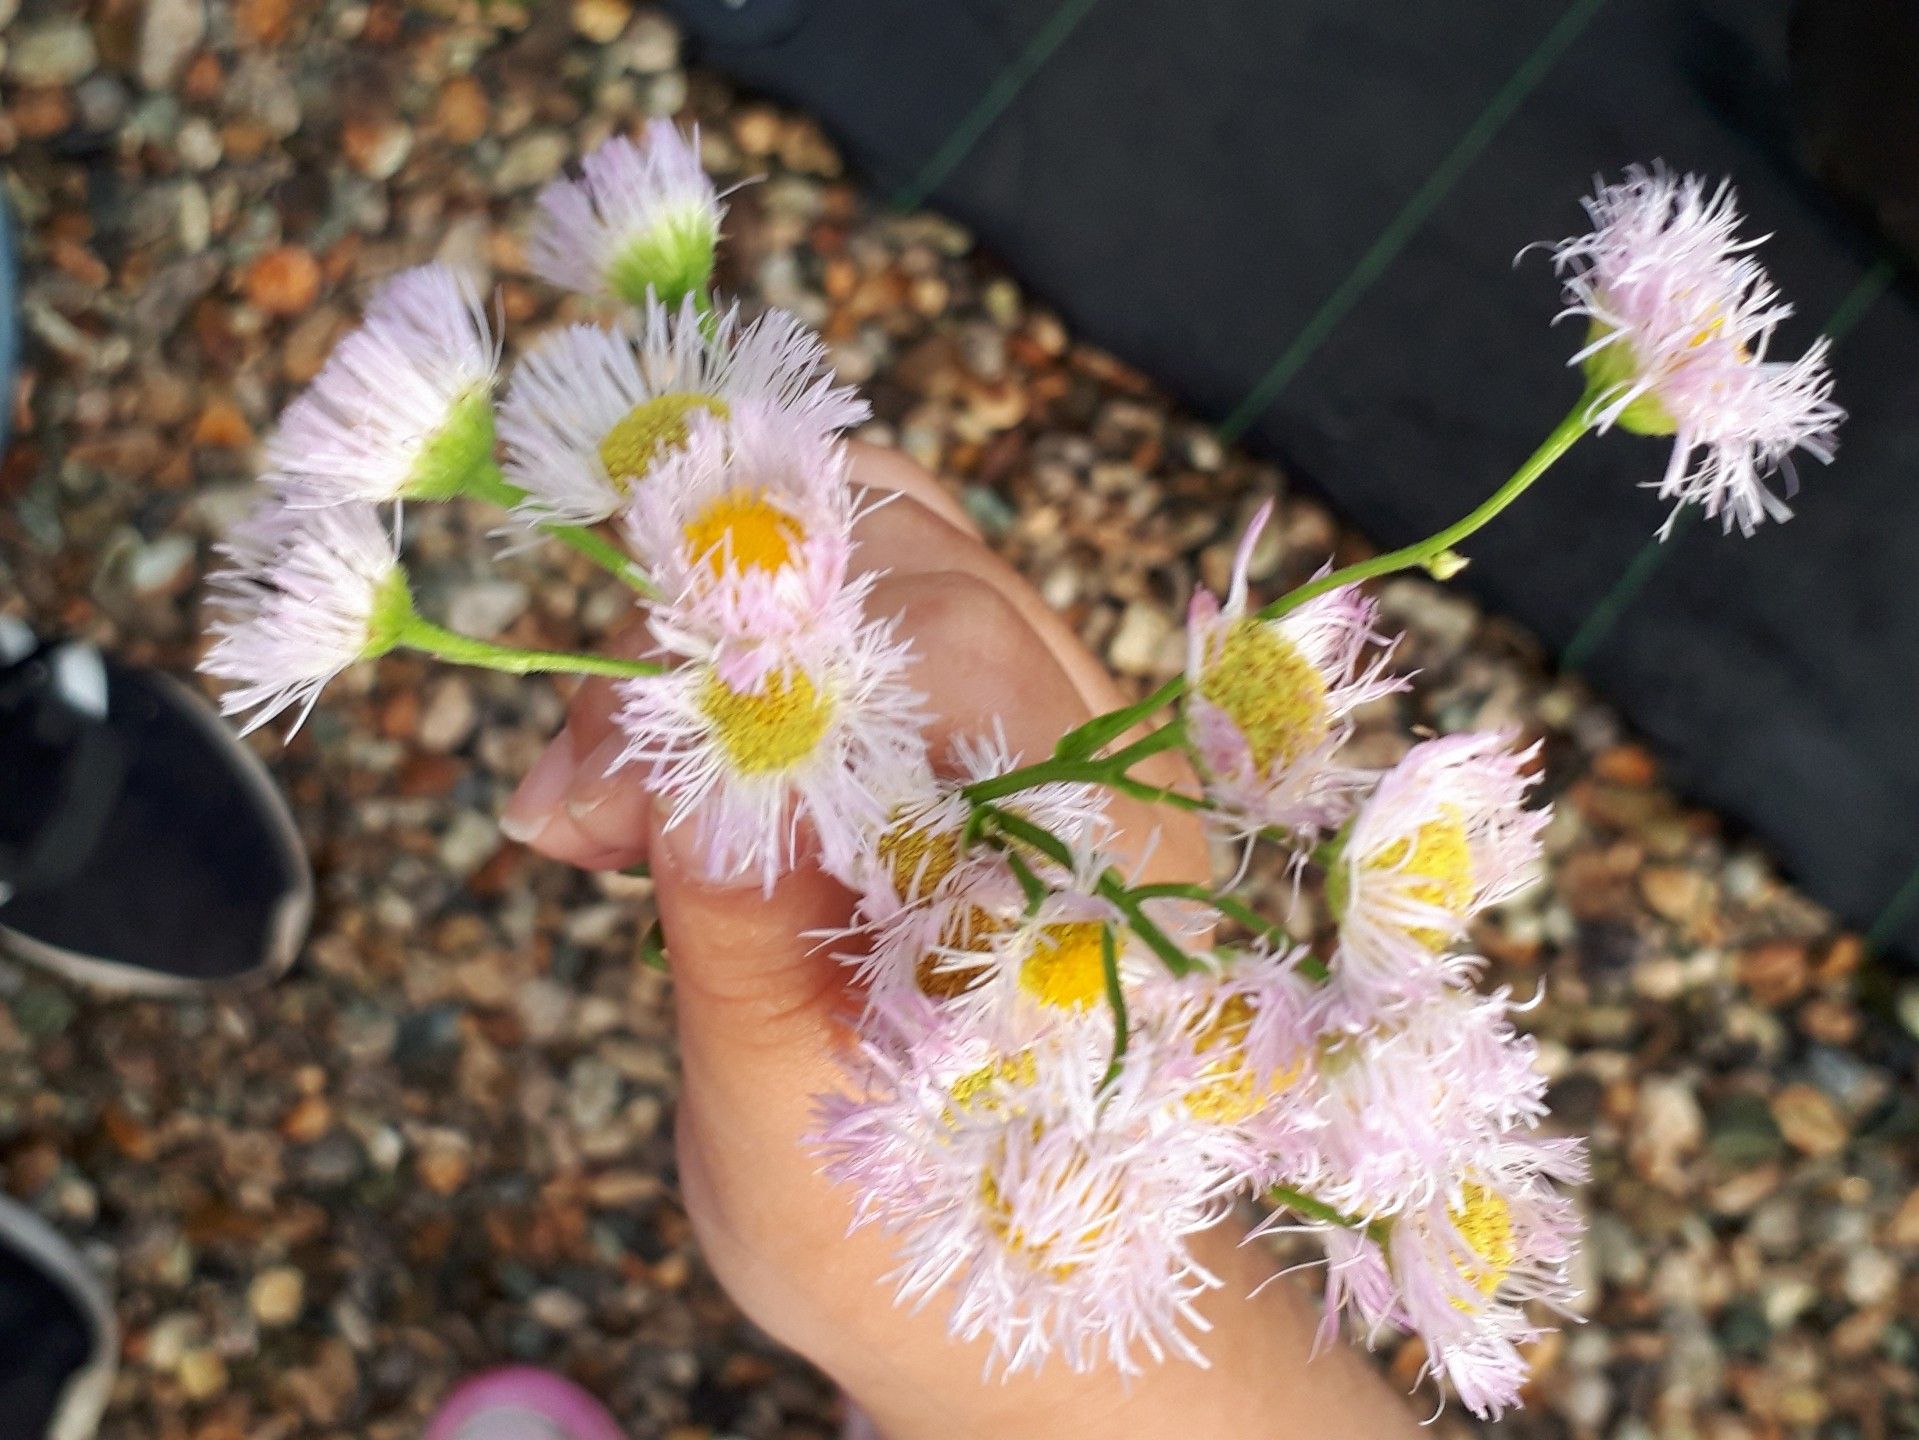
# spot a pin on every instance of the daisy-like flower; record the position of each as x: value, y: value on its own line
x: 590, y: 411
x: 1269, y: 702
x: 1390, y: 1110
x: 1236, y: 1040
x: 1444, y: 835
x: 1459, y: 1269
x: 747, y: 527
x: 1054, y: 1211
x: 1679, y: 320
x: 745, y: 746
x: 307, y: 593
x: 931, y: 905
x: 640, y: 223
x: 403, y: 408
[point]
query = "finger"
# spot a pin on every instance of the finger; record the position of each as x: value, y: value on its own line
x: 876, y: 467
x: 569, y: 807
x: 908, y: 537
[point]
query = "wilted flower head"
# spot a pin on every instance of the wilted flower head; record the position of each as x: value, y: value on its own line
x: 1269, y: 702
x: 590, y: 411
x: 640, y: 223
x: 306, y: 594
x: 1680, y: 317
x: 1445, y: 834
x: 403, y: 408
x: 746, y: 743
x: 1053, y: 1211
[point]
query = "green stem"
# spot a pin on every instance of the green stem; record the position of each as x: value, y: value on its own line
x: 1116, y: 1000
x: 418, y: 633
x: 1578, y: 420
x: 1072, y: 755
x: 1109, y: 771
x: 996, y: 826
x: 490, y: 484
x: 1311, y: 1208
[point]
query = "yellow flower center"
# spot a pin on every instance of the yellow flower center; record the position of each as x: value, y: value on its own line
x: 650, y: 429
x: 1272, y: 693
x: 942, y: 975
x: 1037, y: 1248
x: 1435, y: 867
x: 767, y: 729
x: 1229, y: 1092
x: 1066, y: 968
x: 1485, y: 1222
x: 747, y: 528
x: 1020, y: 1069
x: 919, y: 858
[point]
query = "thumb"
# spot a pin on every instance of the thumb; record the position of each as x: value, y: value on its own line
x: 760, y: 996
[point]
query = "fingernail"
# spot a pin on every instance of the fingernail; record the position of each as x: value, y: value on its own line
x: 533, y: 804
x: 596, y: 777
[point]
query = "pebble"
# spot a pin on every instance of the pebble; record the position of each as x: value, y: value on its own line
x: 283, y: 281
x: 376, y: 148
x: 533, y: 159
x: 1809, y: 1120
x: 51, y: 52
x: 1139, y: 642
x: 277, y: 1296
x: 160, y: 567
x: 601, y: 21
x: 170, y: 31
x: 483, y: 608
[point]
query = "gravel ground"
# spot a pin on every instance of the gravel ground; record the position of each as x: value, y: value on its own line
x: 445, y: 1140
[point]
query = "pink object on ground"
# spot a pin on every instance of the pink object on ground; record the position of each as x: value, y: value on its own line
x: 521, y: 1403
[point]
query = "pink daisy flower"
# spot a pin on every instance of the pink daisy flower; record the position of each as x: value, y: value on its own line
x: 1444, y: 835
x: 1053, y: 1212
x: 306, y: 594
x: 1392, y: 1109
x: 641, y: 222
x: 1459, y: 1269
x: 746, y: 743
x: 590, y: 411
x: 931, y: 906
x: 403, y: 408
x: 1679, y: 321
x: 746, y: 529
x: 1269, y: 703
x: 1238, y: 1041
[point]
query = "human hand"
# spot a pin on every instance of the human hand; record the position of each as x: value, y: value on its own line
x: 764, y: 1011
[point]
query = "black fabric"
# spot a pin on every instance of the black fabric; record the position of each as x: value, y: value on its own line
x: 45, y: 1339
x: 1191, y: 180
x: 188, y: 869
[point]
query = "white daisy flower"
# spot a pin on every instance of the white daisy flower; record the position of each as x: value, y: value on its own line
x: 746, y: 529
x: 1390, y: 1109
x: 1446, y: 834
x: 747, y: 744
x: 403, y: 408
x: 1051, y: 1210
x: 641, y: 223
x: 1679, y: 321
x: 1459, y: 1269
x: 1269, y: 703
x: 590, y: 410
x: 928, y: 900
x: 307, y: 594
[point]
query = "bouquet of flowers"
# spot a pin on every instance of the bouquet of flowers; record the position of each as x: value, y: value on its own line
x: 1062, y: 1073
